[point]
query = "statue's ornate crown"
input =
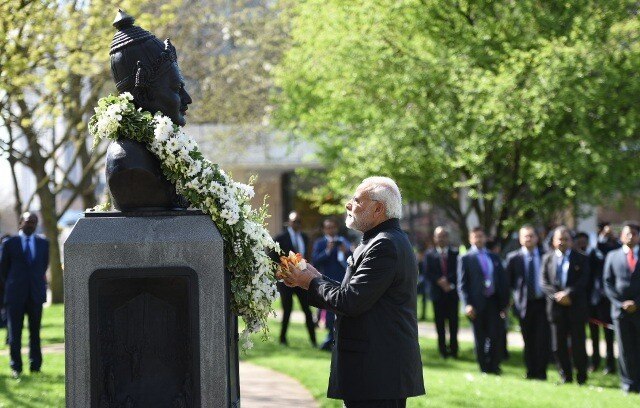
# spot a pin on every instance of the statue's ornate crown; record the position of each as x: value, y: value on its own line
x: 145, y: 72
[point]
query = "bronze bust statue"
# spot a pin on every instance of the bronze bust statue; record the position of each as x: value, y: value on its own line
x: 147, y: 68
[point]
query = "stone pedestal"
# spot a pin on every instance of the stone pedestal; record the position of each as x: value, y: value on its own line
x: 147, y: 317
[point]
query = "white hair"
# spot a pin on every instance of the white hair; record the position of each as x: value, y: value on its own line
x: 386, y: 191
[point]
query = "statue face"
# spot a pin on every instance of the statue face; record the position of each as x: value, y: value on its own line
x: 169, y: 96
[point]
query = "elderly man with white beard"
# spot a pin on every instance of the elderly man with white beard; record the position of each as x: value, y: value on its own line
x: 376, y: 359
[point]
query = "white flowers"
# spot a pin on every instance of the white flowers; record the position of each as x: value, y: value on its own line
x: 211, y: 190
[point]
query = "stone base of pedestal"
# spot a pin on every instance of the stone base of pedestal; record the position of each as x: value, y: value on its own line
x: 147, y: 319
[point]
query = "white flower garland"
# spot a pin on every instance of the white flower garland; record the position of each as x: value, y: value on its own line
x: 210, y: 189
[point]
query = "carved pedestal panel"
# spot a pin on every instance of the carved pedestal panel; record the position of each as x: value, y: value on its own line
x: 144, y: 338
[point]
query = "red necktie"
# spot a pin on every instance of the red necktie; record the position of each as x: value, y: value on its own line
x: 631, y: 260
x: 443, y: 263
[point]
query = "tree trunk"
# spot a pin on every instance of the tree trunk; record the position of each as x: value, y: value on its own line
x: 47, y: 209
x: 50, y: 224
x: 17, y: 206
x: 87, y: 186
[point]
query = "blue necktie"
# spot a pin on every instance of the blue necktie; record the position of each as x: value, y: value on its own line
x: 27, y: 251
x: 489, y: 290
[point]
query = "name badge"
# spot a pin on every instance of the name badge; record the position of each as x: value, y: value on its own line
x: 487, y: 283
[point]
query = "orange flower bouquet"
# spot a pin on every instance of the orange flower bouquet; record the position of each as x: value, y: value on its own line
x: 286, y: 262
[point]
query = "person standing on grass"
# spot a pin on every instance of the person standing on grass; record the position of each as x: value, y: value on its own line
x: 23, y: 265
x: 376, y: 360
x: 441, y: 268
x: 599, y: 304
x: 524, y: 274
x: 622, y: 286
x: 484, y: 291
x: 565, y: 274
x: 330, y: 254
x: 293, y: 239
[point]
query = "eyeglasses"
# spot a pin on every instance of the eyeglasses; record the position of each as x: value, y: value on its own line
x: 357, y: 200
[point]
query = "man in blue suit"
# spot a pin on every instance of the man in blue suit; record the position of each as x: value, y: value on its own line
x: 484, y: 291
x: 23, y: 264
x: 330, y: 254
x: 621, y: 277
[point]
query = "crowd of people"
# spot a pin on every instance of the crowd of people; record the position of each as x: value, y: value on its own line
x: 555, y: 291
x: 555, y: 294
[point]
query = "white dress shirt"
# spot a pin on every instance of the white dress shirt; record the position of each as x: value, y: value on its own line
x: 564, y: 259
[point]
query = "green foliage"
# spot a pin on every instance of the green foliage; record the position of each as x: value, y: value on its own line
x: 129, y: 124
x: 523, y: 107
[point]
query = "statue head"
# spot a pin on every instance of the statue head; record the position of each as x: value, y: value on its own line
x: 148, y: 68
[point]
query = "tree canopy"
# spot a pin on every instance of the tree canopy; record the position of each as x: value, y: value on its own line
x: 510, y: 110
x: 53, y: 68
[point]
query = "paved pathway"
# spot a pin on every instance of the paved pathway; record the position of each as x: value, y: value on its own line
x: 259, y: 387
x: 264, y: 388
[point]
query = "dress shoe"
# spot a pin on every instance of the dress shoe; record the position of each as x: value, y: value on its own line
x: 35, y: 371
x: 15, y: 374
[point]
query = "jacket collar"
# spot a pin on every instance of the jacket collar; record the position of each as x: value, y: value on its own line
x: 391, y: 223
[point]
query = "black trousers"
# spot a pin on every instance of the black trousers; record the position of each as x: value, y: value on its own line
x: 535, y: 333
x: 628, y: 332
x: 15, y: 320
x: 488, y: 337
x: 394, y: 403
x: 286, y: 296
x: 602, y: 312
x: 569, y: 326
x: 445, y: 310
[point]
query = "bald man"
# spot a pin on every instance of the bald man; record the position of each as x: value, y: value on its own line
x: 23, y: 265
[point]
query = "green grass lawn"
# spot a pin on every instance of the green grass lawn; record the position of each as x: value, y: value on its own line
x: 449, y: 383
x: 52, y: 331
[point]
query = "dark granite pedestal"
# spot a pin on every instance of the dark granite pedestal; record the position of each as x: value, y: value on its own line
x: 147, y: 318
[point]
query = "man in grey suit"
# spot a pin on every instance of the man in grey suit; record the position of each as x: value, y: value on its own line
x: 376, y: 359
x: 621, y: 277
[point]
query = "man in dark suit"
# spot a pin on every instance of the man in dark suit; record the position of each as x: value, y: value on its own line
x: 622, y: 286
x: 23, y: 265
x: 376, y: 359
x: 599, y: 305
x: 565, y: 274
x: 524, y: 274
x: 293, y: 239
x: 483, y: 288
x: 330, y: 254
x: 441, y: 268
